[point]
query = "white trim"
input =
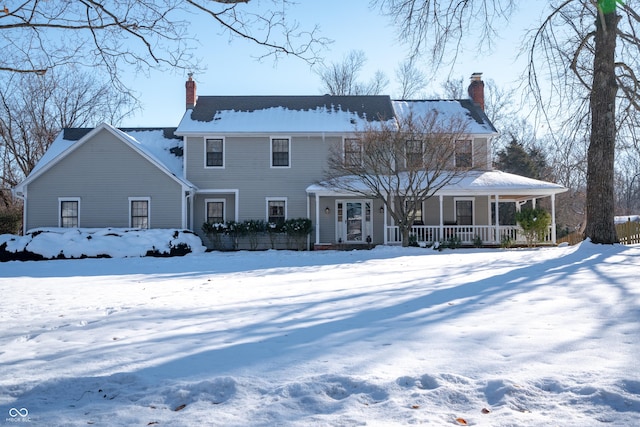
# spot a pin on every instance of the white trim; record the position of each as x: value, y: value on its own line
x: 224, y: 208
x: 289, y: 147
x: 141, y: 199
x: 67, y: 199
x: 224, y: 151
x: 277, y: 199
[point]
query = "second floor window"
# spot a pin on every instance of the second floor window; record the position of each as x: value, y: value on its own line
x: 352, y: 152
x: 414, y: 154
x: 214, y: 148
x: 280, y: 152
x: 464, y: 153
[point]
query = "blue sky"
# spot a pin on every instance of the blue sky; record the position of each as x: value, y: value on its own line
x: 233, y: 70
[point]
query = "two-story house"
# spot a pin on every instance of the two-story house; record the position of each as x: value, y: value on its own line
x: 264, y: 157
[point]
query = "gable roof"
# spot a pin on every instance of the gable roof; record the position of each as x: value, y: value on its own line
x: 323, y: 113
x: 155, y: 144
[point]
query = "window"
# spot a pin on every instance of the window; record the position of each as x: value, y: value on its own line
x: 69, y: 213
x: 280, y: 152
x: 214, y: 152
x: 414, y: 209
x: 464, y: 212
x: 139, y: 212
x: 352, y: 152
x: 214, y: 211
x: 414, y: 156
x: 464, y: 150
x: 276, y: 211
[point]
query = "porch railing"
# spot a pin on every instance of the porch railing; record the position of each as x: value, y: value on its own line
x: 468, y: 234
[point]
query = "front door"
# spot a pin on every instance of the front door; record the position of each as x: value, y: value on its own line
x: 353, y: 220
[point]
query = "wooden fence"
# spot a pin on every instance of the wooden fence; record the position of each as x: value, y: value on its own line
x: 628, y: 234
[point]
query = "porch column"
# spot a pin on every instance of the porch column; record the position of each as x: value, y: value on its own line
x: 386, y: 223
x: 440, y: 199
x: 317, y: 218
x: 553, y: 218
x: 497, y: 211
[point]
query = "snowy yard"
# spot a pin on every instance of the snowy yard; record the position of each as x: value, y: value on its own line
x: 391, y: 336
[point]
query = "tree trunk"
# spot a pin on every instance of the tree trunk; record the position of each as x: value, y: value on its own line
x: 600, y: 227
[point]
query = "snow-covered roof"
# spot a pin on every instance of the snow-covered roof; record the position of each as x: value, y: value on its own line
x: 312, y: 114
x: 159, y: 145
x: 284, y: 114
x: 475, y: 120
x: 492, y: 182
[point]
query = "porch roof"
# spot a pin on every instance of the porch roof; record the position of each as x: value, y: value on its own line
x: 474, y: 183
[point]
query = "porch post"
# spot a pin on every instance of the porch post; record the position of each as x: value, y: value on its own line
x: 553, y: 218
x: 497, y: 210
x: 441, y: 218
x: 386, y: 223
x: 317, y: 218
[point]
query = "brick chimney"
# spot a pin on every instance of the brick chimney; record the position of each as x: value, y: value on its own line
x: 191, y: 92
x: 476, y: 89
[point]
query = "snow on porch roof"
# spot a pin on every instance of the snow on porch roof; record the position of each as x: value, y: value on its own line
x: 487, y: 183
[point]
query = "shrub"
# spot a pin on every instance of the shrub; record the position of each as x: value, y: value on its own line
x: 477, y: 242
x: 298, y: 229
x: 535, y: 223
x: 10, y: 222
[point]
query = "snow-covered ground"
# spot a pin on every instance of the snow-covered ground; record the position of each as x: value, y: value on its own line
x: 391, y: 336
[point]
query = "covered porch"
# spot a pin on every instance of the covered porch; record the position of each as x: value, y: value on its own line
x: 477, y: 209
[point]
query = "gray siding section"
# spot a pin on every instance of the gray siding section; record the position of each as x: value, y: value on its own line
x: 104, y: 172
x: 247, y: 168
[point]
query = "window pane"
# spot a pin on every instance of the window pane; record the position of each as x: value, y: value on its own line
x: 463, y: 154
x: 140, y: 214
x: 352, y: 152
x: 276, y: 211
x: 69, y: 214
x: 464, y: 212
x: 414, y: 154
x: 215, y: 212
x: 280, y: 152
x: 214, y: 152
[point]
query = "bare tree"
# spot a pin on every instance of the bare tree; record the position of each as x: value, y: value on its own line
x: 412, y: 80
x: 586, y: 49
x: 342, y: 78
x: 33, y: 110
x: 402, y: 162
x: 36, y: 36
